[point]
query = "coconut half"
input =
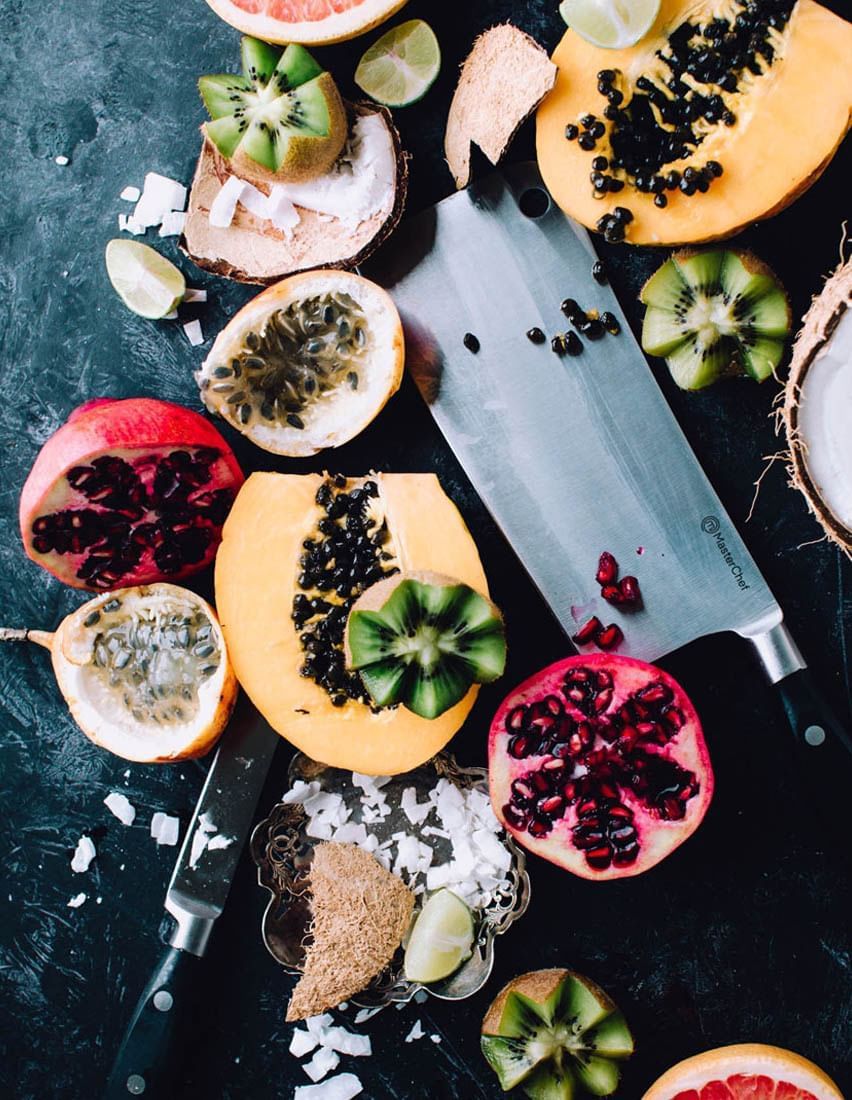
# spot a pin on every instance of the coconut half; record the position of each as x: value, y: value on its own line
x: 144, y: 671
x: 307, y: 364
x: 505, y: 77
x: 334, y: 220
x: 817, y: 412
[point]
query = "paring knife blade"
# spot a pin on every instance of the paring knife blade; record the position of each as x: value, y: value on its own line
x: 573, y: 456
x: 149, y: 1056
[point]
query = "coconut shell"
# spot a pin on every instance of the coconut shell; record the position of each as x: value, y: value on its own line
x: 505, y: 77
x: 818, y: 325
x: 252, y: 250
x: 360, y: 913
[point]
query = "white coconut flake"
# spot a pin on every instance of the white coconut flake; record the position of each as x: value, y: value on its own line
x: 172, y: 223
x: 416, y: 1032
x: 165, y: 829
x: 254, y: 200
x: 84, y: 853
x: 194, y: 333
x: 435, y: 1038
x: 415, y: 811
x: 160, y: 196
x: 119, y: 805
x: 316, y: 1024
x: 345, y: 1086
x: 131, y: 194
x: 61, y: 160
x: 76, y: 901
x: 224, y: 206
x: 281, y: 211
x: 204, y: 831
x: 195, y: 294
x: 300, y: 791
x: 302, y: 1043
x: 322, y: 1063
x: 365, y: 1014
x: 217, y: 843
x: 345, y: 1042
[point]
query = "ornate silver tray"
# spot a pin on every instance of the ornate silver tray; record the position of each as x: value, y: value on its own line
x: 282, y: 852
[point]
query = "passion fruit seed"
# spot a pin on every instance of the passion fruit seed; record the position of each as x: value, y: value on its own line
x: 155, y: 656
x: 302, y: 354
x: 664, y: 115
x: 345, y: 555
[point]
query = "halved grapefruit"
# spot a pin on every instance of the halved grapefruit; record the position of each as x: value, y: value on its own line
x: 749, y: 1071
x: 311, y: 22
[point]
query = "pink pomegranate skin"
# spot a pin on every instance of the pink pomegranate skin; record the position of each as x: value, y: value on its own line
x: 598, y: 763
x: 150, y: 485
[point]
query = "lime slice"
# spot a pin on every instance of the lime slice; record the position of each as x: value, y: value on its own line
x: 440, y: 940
x: 147, y: 282
x: 613, y: 24
x: 401, y: 66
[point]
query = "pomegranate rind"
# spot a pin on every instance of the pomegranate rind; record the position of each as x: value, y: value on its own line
x: 780, y: 1066
x: 253, y: 17
x: 131, y: 740
x: 689, y: 749
x: 107, y: 426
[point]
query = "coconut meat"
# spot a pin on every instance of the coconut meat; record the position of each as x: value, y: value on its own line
x: 356, y: 189
x: 825, y: 422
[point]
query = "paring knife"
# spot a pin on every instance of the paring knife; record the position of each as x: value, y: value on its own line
x: 150, y: 1051
x: 578, y: 455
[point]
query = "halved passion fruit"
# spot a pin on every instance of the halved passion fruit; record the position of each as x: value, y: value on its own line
x: 297, y: 553
x: 144, y: 671
x: 686, y: 136
x: 307, y: 364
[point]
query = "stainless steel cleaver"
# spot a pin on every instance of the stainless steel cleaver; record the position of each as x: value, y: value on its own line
x: 573, y: 456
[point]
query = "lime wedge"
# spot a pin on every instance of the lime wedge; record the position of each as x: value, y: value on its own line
x: 147, y: 282
x: 440, y: 940
x: 613, y: 24
x: 401, y: 66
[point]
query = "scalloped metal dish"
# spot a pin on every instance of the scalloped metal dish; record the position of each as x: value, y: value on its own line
x: 283, y: 853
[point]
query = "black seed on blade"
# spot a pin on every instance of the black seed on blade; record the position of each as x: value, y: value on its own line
x: 536, y: 336
x: 471, y: 342
x: 599, y: 273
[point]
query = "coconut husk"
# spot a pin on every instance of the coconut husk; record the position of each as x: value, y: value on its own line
x: 505, y: 77
x: 818, y: 324
x: 360, y: 913
x: 252, y: 250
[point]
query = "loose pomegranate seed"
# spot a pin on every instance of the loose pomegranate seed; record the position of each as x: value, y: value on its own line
x: 630, y: 591
x: 610, y: 637
x: 607, y: 569
x: 612, y: 593
x: 587, y: 633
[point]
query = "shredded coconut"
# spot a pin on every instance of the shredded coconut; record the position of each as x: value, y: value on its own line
x: 119, y: 805
x: 84, y: 853
x: 165, y: 829
x: 76, y: 901
x: 416, y: 1032
x: 194, y: 333
x: 344, y: 1086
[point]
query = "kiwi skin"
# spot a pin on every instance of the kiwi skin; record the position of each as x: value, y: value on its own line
x: 538, y: 985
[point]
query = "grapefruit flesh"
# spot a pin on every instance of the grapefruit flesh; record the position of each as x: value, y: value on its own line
x: 748, y: 1071
x: 296, y: 11
x: 744, y: 1086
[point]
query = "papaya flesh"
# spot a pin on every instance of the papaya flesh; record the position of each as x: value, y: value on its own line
x: 784, y: 122
x: 257, y: 571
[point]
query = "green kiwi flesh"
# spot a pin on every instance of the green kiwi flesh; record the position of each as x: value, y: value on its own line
x: 566, y: 1046
x: 426, y: 645
x: 715, y: 313
x: 280, y: 95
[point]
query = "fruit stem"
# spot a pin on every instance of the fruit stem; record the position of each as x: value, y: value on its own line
x: 40, y: 637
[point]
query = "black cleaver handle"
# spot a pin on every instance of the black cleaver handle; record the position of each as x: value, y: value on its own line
x: 153, y: 1046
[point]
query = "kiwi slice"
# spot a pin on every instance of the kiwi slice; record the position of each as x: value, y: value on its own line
x: 556, y: 1035
x: 715, y: 313
x: 283, y: 113
x: 422, y: 640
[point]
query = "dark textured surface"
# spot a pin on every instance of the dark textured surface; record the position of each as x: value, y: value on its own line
x: 742, y: 935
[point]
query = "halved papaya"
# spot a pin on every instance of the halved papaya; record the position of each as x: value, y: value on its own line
x: 722, y: 115
x: 283, y: 614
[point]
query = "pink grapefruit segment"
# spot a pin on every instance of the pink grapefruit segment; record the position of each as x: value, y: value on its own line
x: 748, y: 1071
x: 310, y: 22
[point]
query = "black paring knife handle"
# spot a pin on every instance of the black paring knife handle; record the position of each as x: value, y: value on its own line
x: 152, y: 1048
x: 818, y: 732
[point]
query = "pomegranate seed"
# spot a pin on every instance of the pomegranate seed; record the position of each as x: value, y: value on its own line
x: 629, y: 737
x: 640, y: 710
x: 599, y: 857
x: 522, y: 791
x: 562, y: 749
x: 540, y: 782
x: 623, y: 857
x: 610, y: 637
x: 584, y: 840
x: 553, y: 706
x: 578, y: 676
x: 551, y: 806
x: 607, y: 729
x: 514, y: 816
x: 571, y: 790
x: 585, y: 809
x: 607, y: 569
x: 539, y: 827
x: 603, y: 679
x: 629, y: 590
x: 576, y: 695
x: 608, y: 791
x: 554, y: 767
x: 655, y: 693
x: 515, y: 719
x: 612, y: 593
x: 623, y: 832
x: 646, y: 729
x: 587, y: 633
x: 674, y: 718
x: 602, y: 700
x: 671, y: 809
x: 620, y: 811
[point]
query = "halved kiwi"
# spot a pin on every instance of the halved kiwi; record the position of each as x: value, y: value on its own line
x: 422, y: 640
x: 714, y: 313
x: 555, y: 1034
x: 282, y: 118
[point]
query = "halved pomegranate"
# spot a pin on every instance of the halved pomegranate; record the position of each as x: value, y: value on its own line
x: 128, y: 492
x: 598, y: 763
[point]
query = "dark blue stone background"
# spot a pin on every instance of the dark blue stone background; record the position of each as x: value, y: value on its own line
x: 742, y: 935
